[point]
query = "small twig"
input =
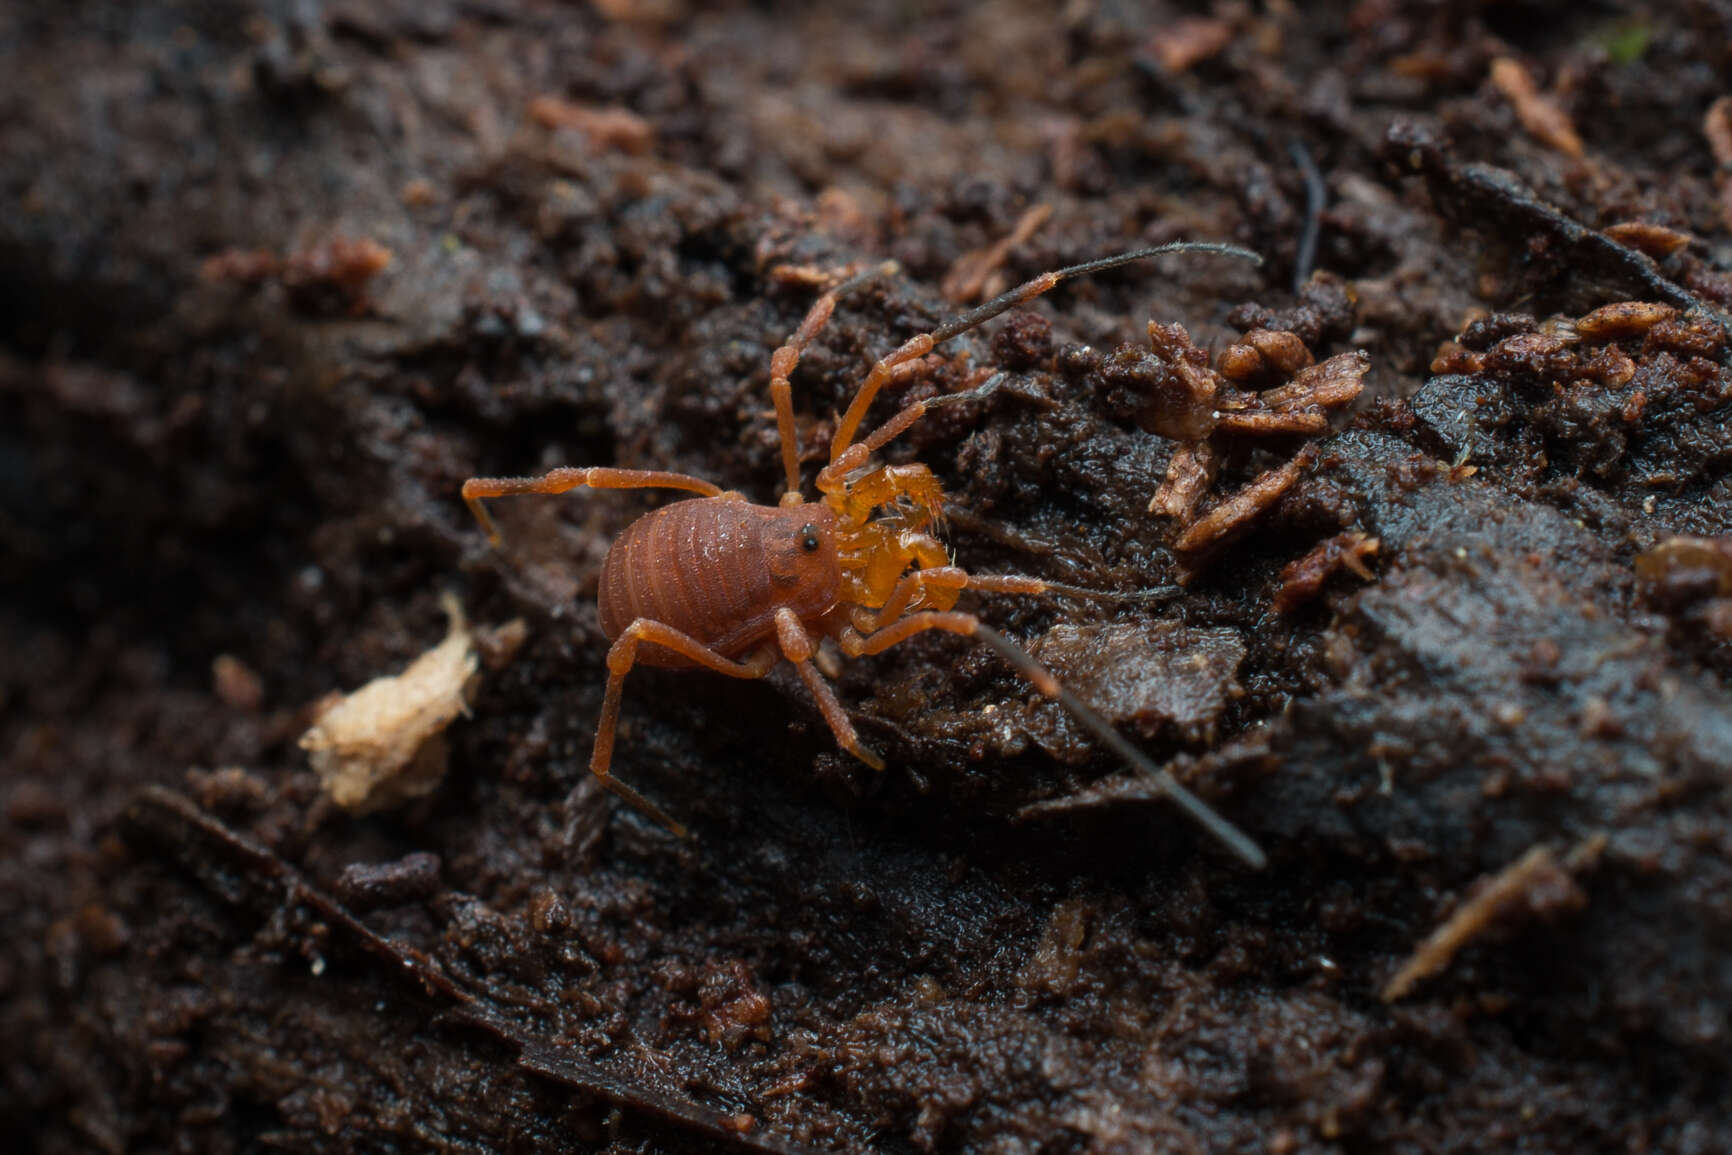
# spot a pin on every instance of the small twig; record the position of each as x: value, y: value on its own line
x: 1316, y: 196
x: 1486, y: 197
x: 245, y: 873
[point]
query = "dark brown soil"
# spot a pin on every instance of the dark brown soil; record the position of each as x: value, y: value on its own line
x: 225, y: 434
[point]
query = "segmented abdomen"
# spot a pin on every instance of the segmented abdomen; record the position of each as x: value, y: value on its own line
x: 694, y: 565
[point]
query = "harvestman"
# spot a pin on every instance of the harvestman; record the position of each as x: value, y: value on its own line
x: 729, y: 586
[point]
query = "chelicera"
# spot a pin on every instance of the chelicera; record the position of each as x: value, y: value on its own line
x: 729, y: 586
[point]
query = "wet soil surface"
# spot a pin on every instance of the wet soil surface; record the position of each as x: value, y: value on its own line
x: 278, y: 276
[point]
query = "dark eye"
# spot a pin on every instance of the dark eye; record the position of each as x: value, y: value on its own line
x: 809, y: 538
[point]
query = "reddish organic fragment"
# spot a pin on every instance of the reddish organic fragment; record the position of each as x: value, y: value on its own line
x: 1182, y: 402
x: 1536, y: 885
x: 1691, y: 575
x: 1565, y: 351
x: 1261, y: 353
x: 1264, y: 423
x: 733, y: 1009
x: 333, y: 272
x: 1282, y: 351
x: 612, y: 128
x: 1717, y: 127
x: 1454, y: 357
x: 1189, y: 475
x: 240, y: 266
x: 1538, y: 113
x: 1707, y: 559
x: 1302, y: 579
x: 967, y: 278
x: 1234, y: 514
x: 345, y: 264
x: 1240, y: 363
x: 641, y: 11
x: 235, y: 683
x: 1655, y: 240
x: 1623, y: 319
x: 1196, y: 405
x: 1332, y: 384
x: 1190, y: 41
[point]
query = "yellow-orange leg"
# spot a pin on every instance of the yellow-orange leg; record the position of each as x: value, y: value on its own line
x: 798, y: 647
x: 947, y: 581
x: 948, y: 578
x: 916, y: 346
x: 923, y: 343
x: 1037, y: 675
x: 620, y: 658
x: 833, y: 476
x: 936, y: 574
x: 568, y: 478
x: 783, y: 362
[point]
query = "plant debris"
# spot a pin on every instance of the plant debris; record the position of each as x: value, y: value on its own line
x: 1204, y: 409
x: 383, y: 745
x: 1535, y: 886
x: 1538, y: 113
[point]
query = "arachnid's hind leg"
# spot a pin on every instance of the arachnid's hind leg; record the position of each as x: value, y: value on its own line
x: 967, y: 625
x: 565, y: 479
x: 620, y: 658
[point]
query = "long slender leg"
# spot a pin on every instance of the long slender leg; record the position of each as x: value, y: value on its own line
x: 798, y: 647
x: 948, y: 580
x: 923, y: 343
x: 832, y: 476
x: 1042, y: 680
x: 783, y: 362
x: 620, y: 658
x: 953, y: 578
x: 835, y: 716
x: 907, y: 588
x: 1005, y: 583
x: 568, y: 478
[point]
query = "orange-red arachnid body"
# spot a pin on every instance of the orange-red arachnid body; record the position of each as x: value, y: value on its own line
x: 718, y: 571
x: 736, y: 588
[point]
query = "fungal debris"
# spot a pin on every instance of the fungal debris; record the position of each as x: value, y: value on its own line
x: 384, y: 744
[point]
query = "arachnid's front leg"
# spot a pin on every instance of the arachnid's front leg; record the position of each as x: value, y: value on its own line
x: 783, y: 362
x: 798, y: 647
